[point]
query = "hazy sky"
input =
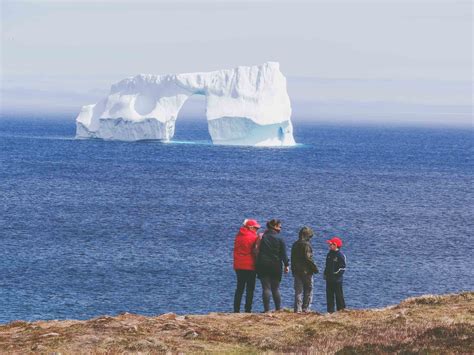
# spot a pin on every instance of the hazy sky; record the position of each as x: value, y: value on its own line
x: 58, y: 55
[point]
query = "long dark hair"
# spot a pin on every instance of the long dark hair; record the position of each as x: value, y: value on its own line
x: 271, y: 224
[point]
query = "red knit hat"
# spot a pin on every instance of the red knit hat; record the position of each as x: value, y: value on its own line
x: 251, y: 223
x: 335, y: 240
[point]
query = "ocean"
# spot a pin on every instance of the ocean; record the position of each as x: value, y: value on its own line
x: 90, y: 227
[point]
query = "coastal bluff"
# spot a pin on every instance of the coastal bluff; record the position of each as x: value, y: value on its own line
x: 428, y: 324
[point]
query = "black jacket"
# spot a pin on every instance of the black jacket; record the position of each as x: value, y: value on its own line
x: 271, y: 255
x: 335, y: 266
x: 302, y: 258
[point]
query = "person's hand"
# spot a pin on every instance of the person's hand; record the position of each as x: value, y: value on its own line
x: 287, y: 269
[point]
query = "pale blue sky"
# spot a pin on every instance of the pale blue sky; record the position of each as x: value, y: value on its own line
x: 59, y: 55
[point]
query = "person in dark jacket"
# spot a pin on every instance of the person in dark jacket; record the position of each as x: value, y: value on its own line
x: 303, y: 268
x: 335, y: 267
x: 270, y: 260
x: 244, y: 264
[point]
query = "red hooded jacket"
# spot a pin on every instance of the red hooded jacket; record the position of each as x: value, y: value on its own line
x: 244, y: 258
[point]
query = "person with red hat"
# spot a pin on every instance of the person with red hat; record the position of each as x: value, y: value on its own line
x: 335, y: 267
x: 244, y: 264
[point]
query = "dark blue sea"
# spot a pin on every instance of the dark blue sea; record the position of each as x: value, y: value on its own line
x: 90, y: 227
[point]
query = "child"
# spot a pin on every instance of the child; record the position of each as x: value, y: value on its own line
x: 335, y: 267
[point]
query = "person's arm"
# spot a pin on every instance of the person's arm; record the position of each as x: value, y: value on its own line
x: 256, y: 246
x: 284, y: 256
x: 341, y: 263
x: 292, y: 257
x: 309, y: 259
x: 325, y: 273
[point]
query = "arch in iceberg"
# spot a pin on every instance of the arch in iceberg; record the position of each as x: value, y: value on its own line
x: 244, y: 106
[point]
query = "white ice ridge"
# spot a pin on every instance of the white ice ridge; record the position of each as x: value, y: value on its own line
x: 244, y: 106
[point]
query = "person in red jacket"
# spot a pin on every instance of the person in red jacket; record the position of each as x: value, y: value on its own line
x: 244, y: 263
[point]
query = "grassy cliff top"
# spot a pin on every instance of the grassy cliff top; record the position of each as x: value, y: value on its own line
x: 427, y: 324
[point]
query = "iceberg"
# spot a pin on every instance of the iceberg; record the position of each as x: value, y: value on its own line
x: 248, y: 105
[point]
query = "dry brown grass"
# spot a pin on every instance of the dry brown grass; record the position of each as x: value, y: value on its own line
x: 427, y: 325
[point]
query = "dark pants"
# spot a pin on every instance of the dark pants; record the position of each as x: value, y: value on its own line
x: 245, y: 280
x: 303, y: 292
x: 271, y: 286
x: 334, y: 290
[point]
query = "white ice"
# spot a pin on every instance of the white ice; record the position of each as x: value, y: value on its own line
x: 244, y: 106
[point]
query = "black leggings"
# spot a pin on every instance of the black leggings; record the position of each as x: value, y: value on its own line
x: 271, y: 286
x: 245, y: 279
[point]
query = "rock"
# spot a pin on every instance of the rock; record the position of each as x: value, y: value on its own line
x: 102, y: 319
x: 49, y: 335
x: 191, y: 334
x: 133, y: 328
x: 169, y: 326
x: 170, y: 316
